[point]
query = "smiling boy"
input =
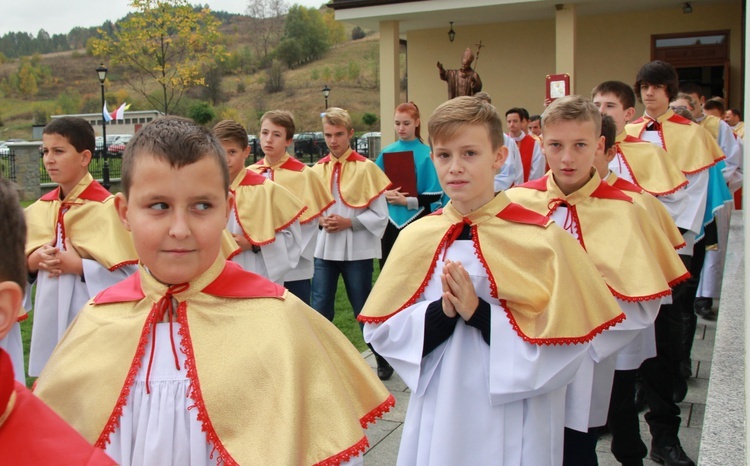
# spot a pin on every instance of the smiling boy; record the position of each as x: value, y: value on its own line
x: 193, y: 360
x: 474, y: 289
x: 75, y: 245
x: 633, y: 255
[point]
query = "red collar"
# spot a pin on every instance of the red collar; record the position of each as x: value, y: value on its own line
x: 353, y: 157
x: 93, y: 192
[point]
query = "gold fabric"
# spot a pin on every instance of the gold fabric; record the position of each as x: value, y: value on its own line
x: 739, y: 130
x: 692, y: 149
x: 93, y: 226
x: 650, y: 166
x: 537, y: 270
x: 711, y: 124
x: 360, y: 180
x: 656, y: 209
x: 631, y: 252
x: 307, y: 185
x: 273, y: 381
x: 264, y: 209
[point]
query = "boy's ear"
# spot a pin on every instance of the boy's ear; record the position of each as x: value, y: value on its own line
x: 500, y: 157
x: 121, y: 205
x: 246, y: 152
x: 629, y: 114
x: 610, y: 153
x: 86, y: 154
x: 230, y: 204
x: 11, y: 296
x: 600, y: 145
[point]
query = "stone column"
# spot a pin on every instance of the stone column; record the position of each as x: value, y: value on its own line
x: 390, y: 84
x: 565, y: 41
x: 27, y: 157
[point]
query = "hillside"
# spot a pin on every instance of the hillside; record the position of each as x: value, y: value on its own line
x: 349, y: 69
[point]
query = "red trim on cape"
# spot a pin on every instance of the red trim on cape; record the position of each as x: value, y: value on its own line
x: 293, y: 164
x: 244, y: 232
x: 252, y: 179
x: 319, y: 214
x: 625, y: 185
x: 186, y: 346
x: 353, y: 157
x: 377, y: 412
x: 123, y: 264
x: 341, y: 196
x: 53, y: 195
x: 234, y: 253
x: 629, y: 138
x: 422, y: 286
x: 636, y: 121
x: 632, y: 175
x: 125, y: 291
x: 635, y: 299
x: 679, y: 119
x: 114, y: 419
x: 294, y: 219
x: 234, y: 282
x: 706, y: 167
x: 93, y: 192
x: 561, y: 340
x: 480, y: 256
x: 680, y: 246
x: 605, y: 191
x: 347, y: 454
x: 517, y: 213
x: 7, y: 381
x: 679, y: 279
x: 22, y: 318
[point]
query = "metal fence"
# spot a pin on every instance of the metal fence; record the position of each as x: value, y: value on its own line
x: 310, y: 150
x: 8, y: 164
x: 114, y: 159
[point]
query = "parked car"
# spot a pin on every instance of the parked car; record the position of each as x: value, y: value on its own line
x: 255, y: 150
x: 118, y: 145
x: 310, y: 142
x: 363, y: 142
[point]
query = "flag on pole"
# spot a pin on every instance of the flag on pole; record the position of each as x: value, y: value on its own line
x: 105, y: 114
x: 119, y: 114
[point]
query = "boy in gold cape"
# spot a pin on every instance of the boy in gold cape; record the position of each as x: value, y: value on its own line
x: 480, y: 310
x: 192, y: 359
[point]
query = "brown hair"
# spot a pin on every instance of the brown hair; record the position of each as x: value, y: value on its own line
x: 450, y: 117
x: 337, y: 117
x: 572, y: 108
x: 12, y: 236
x: 281, y: 118
x: 231, y: 131
x: 412, y: 109
x: 609, y: 131
x: 657, y: 73
x: 619, y: 89
x: 177, y: 141
x: 79, y: 132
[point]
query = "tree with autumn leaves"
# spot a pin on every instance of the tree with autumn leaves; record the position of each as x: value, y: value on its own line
x: 164, y: 47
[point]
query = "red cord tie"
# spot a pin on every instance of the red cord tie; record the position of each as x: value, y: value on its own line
x: 164, y: 307
x: 453, y: 233
x: 569, y: 223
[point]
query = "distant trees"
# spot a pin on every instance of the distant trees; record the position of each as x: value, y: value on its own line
x: 305, y: 36
x: 26, y: 80
x: 167, y: 43
x: 267, y: 25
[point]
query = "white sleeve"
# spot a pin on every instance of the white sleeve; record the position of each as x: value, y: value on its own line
x: 99, y: 277
x: 691, y: 216
x: 639, y: 315
x: 375, y: 217
x: 283, y: 254
x: 537, y: 162
x: 733, y: 151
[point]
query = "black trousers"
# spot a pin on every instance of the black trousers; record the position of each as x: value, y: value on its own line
x: 579, y: 448
x: 627, y: 446
x: 659, y: 373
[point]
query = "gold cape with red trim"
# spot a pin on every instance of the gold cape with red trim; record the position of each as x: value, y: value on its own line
x: 262, y: 207
x: 656, y: 209
x: 273, y: 381
x: 633, y: 255
x: 91, y: 222
x: 711, y: 124
x: 650, y: 166
x: 360, y: 180
x: 535, y: 269
x: 301, y: 181
x: 690, y: 146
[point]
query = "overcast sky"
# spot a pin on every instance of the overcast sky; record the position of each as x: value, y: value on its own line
x: 56, y: 17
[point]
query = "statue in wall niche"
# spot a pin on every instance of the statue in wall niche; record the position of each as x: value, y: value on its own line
x: 464, y: 81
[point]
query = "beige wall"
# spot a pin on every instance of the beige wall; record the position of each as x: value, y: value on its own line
x: 518, y: 56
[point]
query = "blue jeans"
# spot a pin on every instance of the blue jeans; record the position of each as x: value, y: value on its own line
x: 300, y: 289
x: 357, y: 280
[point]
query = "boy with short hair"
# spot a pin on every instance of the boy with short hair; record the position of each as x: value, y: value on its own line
x: 30, y: 432
x: 193, y: 360
x: 633, y: 255
x: 479, y: 309
x: 351, y: 229
x: 511, y: 173
x: 276, y: 132
x: 530, y: 149
x: 265, y: 216
x: 76, y: 245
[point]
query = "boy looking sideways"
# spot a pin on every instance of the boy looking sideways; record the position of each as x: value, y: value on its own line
x: 193, y: 360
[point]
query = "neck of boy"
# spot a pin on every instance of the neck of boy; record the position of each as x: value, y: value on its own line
x: 657, y: 113
x: 273, y: 159
x: 569, y: 189
x: 465, y: 208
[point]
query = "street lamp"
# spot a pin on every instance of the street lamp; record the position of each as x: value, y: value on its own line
x: 326, y: 91
x: 102, y: 72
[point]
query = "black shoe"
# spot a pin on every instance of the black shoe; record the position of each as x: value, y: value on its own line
x: 671, y: 455
x: 385, y: 370
x: 680, y: 390
x: 706, y: 313
x: 703, y: 303
x: 686, y: 368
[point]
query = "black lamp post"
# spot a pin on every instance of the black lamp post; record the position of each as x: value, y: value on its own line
x: 326, y: 91
x: 102, y: 72
x: 451, y: 33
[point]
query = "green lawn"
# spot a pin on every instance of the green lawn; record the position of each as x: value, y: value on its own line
x: 344, y: 320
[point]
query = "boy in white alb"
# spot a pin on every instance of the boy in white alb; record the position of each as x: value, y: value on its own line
x: 75, y: 244
x: 480, y: 310
x: 265, y: 217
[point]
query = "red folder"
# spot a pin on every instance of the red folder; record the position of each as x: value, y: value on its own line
x: 400, y: 169
x: 558, y: 85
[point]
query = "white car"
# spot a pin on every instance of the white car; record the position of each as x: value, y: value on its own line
x: 363, y: 142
